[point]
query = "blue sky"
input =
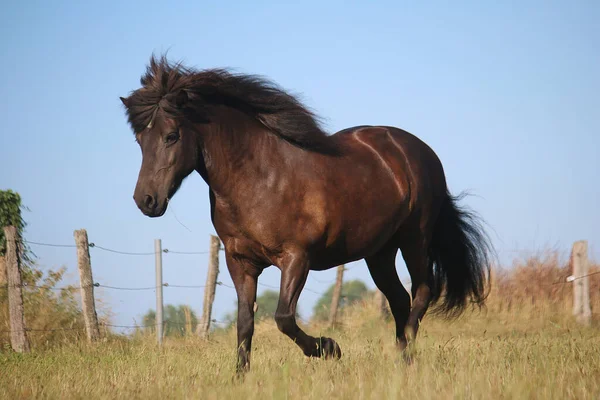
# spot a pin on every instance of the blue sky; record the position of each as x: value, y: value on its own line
x: 508, y: 95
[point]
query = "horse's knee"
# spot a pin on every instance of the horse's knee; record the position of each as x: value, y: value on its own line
x: 286, y: 323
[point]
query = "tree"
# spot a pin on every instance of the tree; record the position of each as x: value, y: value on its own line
x: 179, y: 320
x: 10, y: 215
x: 352, y: 292
x: 267, y: 305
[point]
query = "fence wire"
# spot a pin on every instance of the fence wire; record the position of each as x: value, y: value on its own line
x: 128, y: 253
x: 166, y: 284
x: 166, y: 251
x: 103, y: 325
x: 92, y: 245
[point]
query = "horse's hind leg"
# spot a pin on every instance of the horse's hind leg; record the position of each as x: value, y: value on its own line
x: 382, y: 267
x: 414, y: 252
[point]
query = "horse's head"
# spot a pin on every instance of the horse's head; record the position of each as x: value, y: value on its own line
x: 169, y: 152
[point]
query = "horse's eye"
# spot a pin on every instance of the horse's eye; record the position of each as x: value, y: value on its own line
x: 172, y: 138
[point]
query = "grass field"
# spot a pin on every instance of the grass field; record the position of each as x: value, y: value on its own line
x: 524, y: 354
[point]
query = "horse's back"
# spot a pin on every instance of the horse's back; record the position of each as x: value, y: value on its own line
x: 417, y: 154
x: 417, y: 171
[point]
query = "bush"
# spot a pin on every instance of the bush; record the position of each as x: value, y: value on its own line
x: 52, y: 314
x: 539, y: 281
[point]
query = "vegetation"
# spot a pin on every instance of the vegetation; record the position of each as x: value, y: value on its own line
x: 179, y: 320
x: 539, y: 282
x: 518, y: 354
x: 352, y: 292
x: 45, y: 310
x: 524, y: 344
x: 267, y: 305
x: 47, y: 305
x: 10, y: 215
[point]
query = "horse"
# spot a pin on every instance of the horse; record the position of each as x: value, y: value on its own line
x: 285, y: 193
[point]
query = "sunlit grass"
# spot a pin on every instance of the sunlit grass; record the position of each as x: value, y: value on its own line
x: 525, y: 353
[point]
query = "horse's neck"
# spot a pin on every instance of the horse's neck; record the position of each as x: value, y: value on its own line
x: 235, y: 148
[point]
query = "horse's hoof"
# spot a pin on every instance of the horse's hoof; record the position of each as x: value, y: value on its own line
x: 328, y: 348
x: 241, y: 369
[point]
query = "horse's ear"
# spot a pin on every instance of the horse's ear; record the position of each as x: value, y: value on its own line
x: 125, y: 101
x: 181, y: 98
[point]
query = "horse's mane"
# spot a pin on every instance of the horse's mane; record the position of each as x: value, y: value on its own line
x: 277, y: 110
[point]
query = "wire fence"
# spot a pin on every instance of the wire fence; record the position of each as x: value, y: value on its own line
x: 128, y: 253
x: 165, y: 251
x: 569, y: 279
x: 78, y: 287
x: 92, y: 245
x: 107, y: 325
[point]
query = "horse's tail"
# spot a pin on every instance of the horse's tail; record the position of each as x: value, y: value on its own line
x: 460, y: 255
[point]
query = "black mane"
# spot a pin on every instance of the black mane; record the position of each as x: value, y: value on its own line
x: 277, y: 110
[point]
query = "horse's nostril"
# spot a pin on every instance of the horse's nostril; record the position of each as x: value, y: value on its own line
x: 149, y: 202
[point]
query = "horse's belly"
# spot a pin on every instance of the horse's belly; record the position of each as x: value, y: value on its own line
x: 359, y: 237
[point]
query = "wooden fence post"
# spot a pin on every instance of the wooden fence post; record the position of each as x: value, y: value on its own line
x: 159, y: 320
x: 337, y: 293
x: 3, y: 276
x: 86, y: 284
x: 18, y: 334
x: 209, y: 289
x: 581, y: 283
x: 188, y: 320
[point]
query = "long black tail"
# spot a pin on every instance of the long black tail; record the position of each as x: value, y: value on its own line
x: 460, y: 255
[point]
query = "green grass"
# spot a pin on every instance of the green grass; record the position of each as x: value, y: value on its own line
x: 533, y: 354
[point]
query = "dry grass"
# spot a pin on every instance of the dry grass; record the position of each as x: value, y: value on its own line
x: 45, y: 309
x: 515, y: 348
x: 538, y: 282
x: 483, y: 355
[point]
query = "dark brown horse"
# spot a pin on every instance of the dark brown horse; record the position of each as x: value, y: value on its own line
x: 284, y: 193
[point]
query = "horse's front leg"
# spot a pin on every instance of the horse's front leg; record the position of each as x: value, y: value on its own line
x: 294, y: 271
x: 244, y: 275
